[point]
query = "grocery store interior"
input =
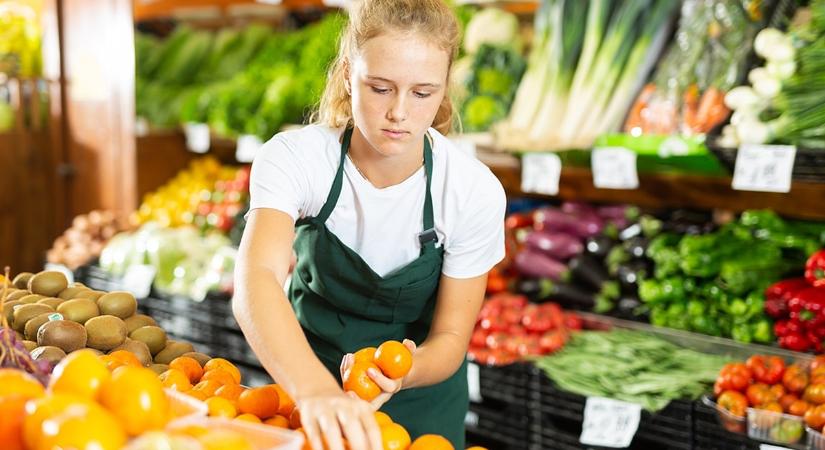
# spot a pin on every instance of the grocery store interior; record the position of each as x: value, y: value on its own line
x: 654, y: 279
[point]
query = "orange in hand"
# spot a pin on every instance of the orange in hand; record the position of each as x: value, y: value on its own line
x: 260, y: 401
x: 295, y: 419
x: 365, y: 354
x: 220, y: 363
x: 285, y: 402
x: 190, y: 366
x: 382, y: 418
x: 431, y: 442
x: 357, y: 380
x: 394, y: 359
x: 395, y: 437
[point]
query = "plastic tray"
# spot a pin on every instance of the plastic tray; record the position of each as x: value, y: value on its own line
x: 816, y: 440
x: 730, y: 422
x: 263, y: 437
x: 768, y: 426
x: 184, y: 406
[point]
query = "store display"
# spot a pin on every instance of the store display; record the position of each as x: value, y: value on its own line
x: 84, y: 240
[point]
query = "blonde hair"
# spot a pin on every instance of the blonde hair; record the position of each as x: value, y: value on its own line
x: 432, y: 19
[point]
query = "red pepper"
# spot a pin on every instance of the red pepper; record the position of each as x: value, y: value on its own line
x: 815, y: 269
x: 796, y: 342
x: 776, y: 308
x: 808, y: 306
x: 780, y: 328
x: 518, y: 220
x: 815, y: 341
x: 785, y: 289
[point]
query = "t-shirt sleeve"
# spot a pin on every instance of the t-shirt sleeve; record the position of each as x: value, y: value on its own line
x: 278, y: 180
x: 477, y: 243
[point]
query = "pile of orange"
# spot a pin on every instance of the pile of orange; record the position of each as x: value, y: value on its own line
x: 218, y: 383
x: 392, y: 358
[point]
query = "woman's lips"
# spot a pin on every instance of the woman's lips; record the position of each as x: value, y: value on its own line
x: 394, y: 134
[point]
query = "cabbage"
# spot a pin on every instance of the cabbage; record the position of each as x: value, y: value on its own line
x: 492, y: 26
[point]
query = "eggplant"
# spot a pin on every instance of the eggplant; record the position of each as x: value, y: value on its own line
x: 540, y: 290
x: 599, y: 246
x: 618, y: 212
x: 630, y: 307
x: 631, y: 273
x: 577, y: 208
x: 591, y: 273
x: 582, y: 225
x: 532, y: 263
x: 554, y: 244
x: 636, y: 246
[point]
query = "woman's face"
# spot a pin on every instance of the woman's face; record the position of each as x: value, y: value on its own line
x: 397, y: 82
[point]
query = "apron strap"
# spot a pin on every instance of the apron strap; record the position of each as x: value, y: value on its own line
x: 335, y: 191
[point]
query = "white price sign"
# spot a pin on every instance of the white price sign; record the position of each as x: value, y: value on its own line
x: 197, y: 137
x: 614, y: 168
x: 764, y: 168
x: 247, y: 147
x: 771, y: 447
x: 540, y: 173
x: 474, y: 382
x: 138, y: 279
x: 62, y: 269
x: 609, y: 423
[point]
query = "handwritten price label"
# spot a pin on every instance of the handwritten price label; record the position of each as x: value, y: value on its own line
x: 540, y: 173
x: 614, y: 168
x: 764, y: 168
x: 197, y: 137
x: 474, y: 382
x: 609, y: 423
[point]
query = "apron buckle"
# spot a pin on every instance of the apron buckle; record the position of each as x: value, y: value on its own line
x: 427, y: 236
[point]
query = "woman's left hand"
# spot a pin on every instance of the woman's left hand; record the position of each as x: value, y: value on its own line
x: 388, y: 386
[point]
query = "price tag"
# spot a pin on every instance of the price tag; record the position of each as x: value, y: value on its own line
x: 764, y: 168
x: 247, y: 147
x: 343, y: 4
x: 138, y: 279
x: 197, y: 137
x: 62, y: 269
x: 471, y: 419
x: 771, y: 447
x: 474, y: 382
x: 465, y: 145
x: 614, y: 168
x: 540, y: 173
x: 609, y: 423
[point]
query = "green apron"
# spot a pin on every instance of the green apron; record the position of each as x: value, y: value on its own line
x: 343, y: 306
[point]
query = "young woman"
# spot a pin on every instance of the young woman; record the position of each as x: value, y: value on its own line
x: 394, y: 228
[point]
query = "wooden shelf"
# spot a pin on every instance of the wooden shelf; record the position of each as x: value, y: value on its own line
x: 158, y: 9
x: 805, y: 201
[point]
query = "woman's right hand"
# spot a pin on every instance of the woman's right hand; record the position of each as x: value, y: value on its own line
x: 331, y: 417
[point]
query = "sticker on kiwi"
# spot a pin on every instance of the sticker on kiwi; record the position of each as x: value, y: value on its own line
x: 55, y: 316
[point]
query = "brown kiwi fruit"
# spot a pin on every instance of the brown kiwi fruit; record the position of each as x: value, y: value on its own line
x: 54, y: 302
x: 137, y: 348
x: 159, y: 368
x: 119, y: 304
x: 18, y: 295
x: 24, y: 313
x: 172, y: 350
x: 48, y: 283
x: 91, y: 295
x: 30, y: 330
x: 105, y: 332
x: 201, y: 358
x: 93, y: 350
x: 138, y: 321
x: 31, y: 298
x: 51, y: 354
x: 30, y: 345
x: 79, y: 310
x: 71, y: 292
x: 154, y: 338
x: 8, y: 310
x: 65, y: 334
x: 21, y: 281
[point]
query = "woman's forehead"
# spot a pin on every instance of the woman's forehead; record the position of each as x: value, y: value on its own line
x: 402, y: 58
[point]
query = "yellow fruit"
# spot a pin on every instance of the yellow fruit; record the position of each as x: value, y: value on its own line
x: 43, y: 408
x: 17, y: 382
x: 135, y: 396
x: 81, y: 373
x: 224, y: 440
x: 82, y: 427
x: 221, y: 407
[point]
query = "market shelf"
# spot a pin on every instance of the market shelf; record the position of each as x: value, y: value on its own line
x: 659, y: 190
x: 160, y: 9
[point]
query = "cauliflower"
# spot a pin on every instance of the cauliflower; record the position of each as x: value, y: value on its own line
x: 492, y: 26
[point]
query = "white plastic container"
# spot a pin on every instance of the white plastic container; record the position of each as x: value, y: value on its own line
x: 775, y: 427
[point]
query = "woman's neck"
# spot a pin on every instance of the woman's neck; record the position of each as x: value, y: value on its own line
x: 383, y: 171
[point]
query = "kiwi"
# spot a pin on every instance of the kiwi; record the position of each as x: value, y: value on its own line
x: 48, y: 283
x: 8, y: 310
x: 54, y: 302
x: 18, y: 295
x: 24, y: 313
x: 91, y: 295
x: 138, y: 321
x: 21, y: 281
x: 119, y: 304
x: 159, y: 368
x: 154, y: 338
x: 95, y: 351
x: 30, y: 345
x: 65, y: 334
x: 31, y: 298
x: 172, y: 350
x: 79, y: 310
x: 79, y: 284
x: 71, y: 292
x: 105, y: 332
x: 49, y: 353
x: 201, y: 358
x: 30, y: 330
x: 138, y: 348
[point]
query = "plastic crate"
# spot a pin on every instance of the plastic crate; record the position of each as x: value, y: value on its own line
x: 506, y: 425
x: 768, y: 425
x: 514, y: 383
x: 708, y: 432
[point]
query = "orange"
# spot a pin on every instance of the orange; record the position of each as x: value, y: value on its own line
x: 190, y: 366
x: 224, y: 440
x: 135, y: 396
x: 12, y: 410
x: 83, y: 427
x: 111, y: 362
x: 17, y: 382
x: 230, y: 391
x: 365, y: 354
x: 220, y: 363
x: 126, y: 357
x: 382, y: 418
x: 38, y: 410
x: 221, y: 407
x: 222, y: 376
x: 261, y: 401
x: 81, y: 373
x: 285, y: 403
x: 208, y: 387
x: 395, y: 437
x: 394, y: 359
x: 175, y: 379
x: 193, y: 430
x: 200, y: 395
x: 248, y: 418
x: 295, y: 420
x: 476, y: 447
x: 431, y: 442
x: 278, y: 421
x: 357, y: 380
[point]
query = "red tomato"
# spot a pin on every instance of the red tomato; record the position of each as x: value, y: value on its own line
x: 573, y: 322
x: 815, y: 417
x: 479, y: 337
x: 494, y: 323
x: 495, y: 340
x: 771, y: 406
x: 787, y: 400
x: 766, y: 369
x: 799, y: 408
x: 778, y: 390
x: 815, y: 393
x: 734, y: 402
x: 552, y: 341
x: 795, y: 379
x: 759, y: 394
x: 819, y: 361
x: 735, y: 376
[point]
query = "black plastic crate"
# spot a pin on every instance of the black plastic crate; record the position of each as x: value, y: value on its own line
x: 708, y: 433
x: 502, y: 423
x: 514, y: 383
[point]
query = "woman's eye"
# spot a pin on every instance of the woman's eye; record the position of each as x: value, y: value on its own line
x: 422, y: 94
x: 378, y: 90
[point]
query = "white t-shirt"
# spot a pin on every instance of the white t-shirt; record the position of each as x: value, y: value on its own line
x: 293, y: 173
